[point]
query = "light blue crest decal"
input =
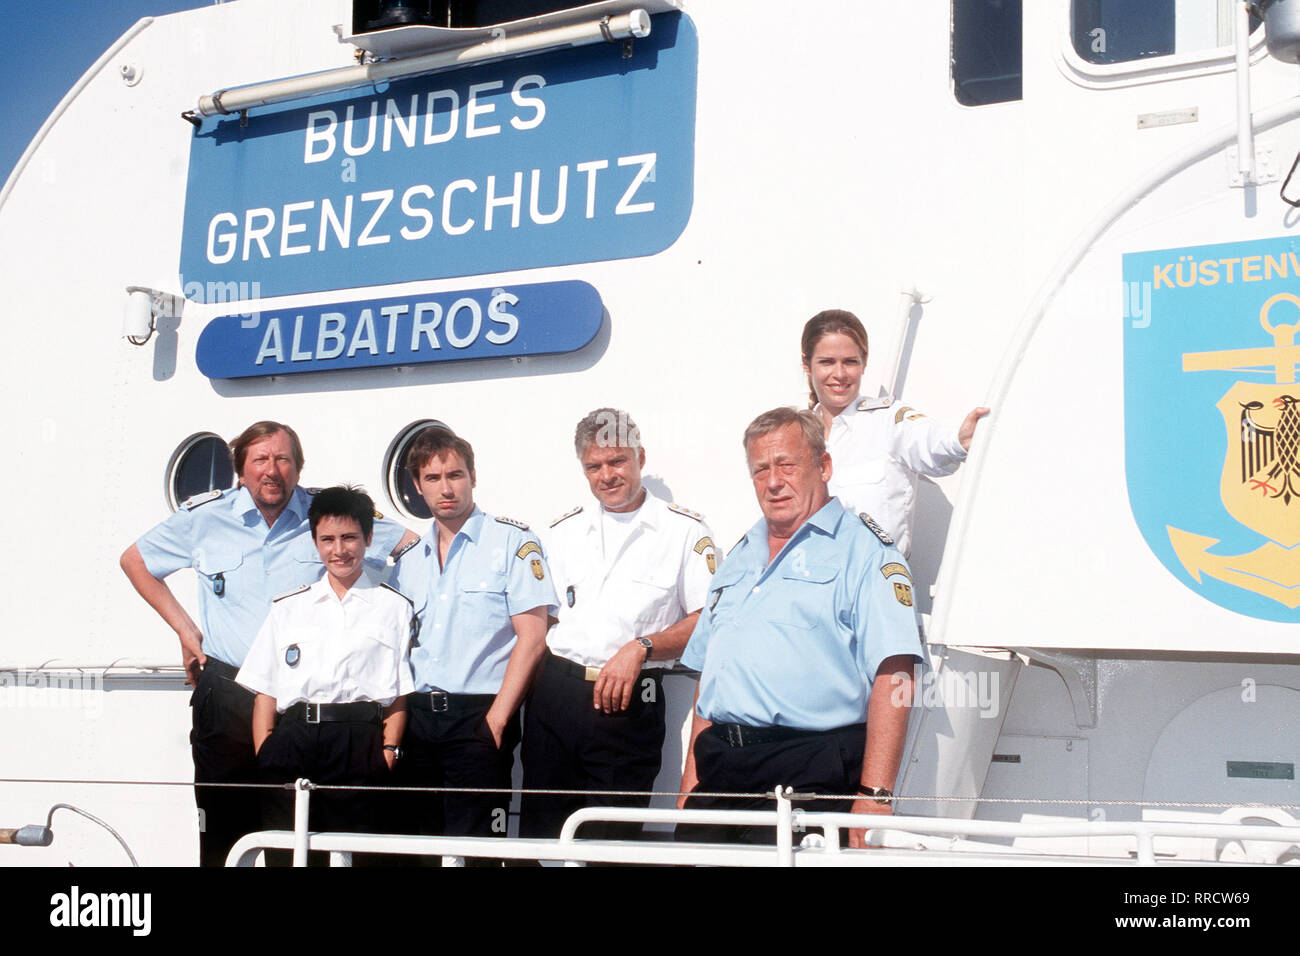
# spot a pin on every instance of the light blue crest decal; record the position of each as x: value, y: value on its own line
x: 1212, y: 418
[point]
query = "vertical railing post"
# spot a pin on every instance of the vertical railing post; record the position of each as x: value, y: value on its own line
x: 301, y: 806
x: 784, y: 830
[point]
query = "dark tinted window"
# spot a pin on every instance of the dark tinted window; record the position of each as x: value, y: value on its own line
x: 1120, y: 31
x: 383, y: 14
x: 202, y: 463
x: 986, y: 51
x: 1116, y: 32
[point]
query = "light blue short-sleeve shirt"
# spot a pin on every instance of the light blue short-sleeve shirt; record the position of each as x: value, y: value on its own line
x: 241, y: 564
x: 797, y: 642
x: 495, y: 568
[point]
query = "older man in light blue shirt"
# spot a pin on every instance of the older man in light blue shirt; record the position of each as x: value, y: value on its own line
x: 805, y: 647
x: 246, y: 547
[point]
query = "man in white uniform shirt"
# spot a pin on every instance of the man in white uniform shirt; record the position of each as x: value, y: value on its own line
x: 631, y: 572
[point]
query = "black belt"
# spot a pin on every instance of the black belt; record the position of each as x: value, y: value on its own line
x: 440, y: 702
x: 738, y: 735
x: 365, y: 711
x: 578, y: 671
x: 220, y: 669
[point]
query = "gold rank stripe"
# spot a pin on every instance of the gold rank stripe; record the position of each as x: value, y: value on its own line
x: 528, y: 547
x: 893, y: 568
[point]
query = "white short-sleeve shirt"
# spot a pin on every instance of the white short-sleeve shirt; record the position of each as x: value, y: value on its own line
x: 318, y: 649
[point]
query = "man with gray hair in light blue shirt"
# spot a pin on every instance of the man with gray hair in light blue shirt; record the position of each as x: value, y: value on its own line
x: 805, y: 647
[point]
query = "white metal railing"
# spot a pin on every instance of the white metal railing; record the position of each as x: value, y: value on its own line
x: 785, y: 818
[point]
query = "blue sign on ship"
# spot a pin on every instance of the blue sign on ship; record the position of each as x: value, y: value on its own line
x: 565, y: 157
x: 535, y: 319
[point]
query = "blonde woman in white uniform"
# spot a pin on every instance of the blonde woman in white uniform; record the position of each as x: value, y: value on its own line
x: 878, y: 446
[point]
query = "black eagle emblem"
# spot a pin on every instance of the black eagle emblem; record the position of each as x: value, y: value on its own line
x: 1270, y: 457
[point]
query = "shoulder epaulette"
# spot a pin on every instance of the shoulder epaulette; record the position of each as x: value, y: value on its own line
x: 397, y: 555
x: 511, y: 521
x: 678, y: 509
x: 312, y: 491
x: 567, y: 515
x: 288, y: 594
x: 192, y: 502
x: 871, y: 404
x: 389, y: 587
x: 875, y: 529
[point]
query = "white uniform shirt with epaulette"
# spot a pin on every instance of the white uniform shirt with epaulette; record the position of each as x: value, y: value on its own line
x: 494, y: 569
x: 241, y: 563
x: 660, y: 574
x: 878, y: 447
x: 317, y: 648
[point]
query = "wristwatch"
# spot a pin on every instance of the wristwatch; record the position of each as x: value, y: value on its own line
x: 881, y: 795
x: 648, y: 645
x: 397, y: 751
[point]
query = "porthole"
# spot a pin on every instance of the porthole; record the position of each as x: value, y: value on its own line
x: 401, y: 486
x: 200, y: 463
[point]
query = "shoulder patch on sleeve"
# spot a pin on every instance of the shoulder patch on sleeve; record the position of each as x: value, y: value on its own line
x: 893, y: 567
x: 389, y: 587
x: 902, y: 413
x: 511, y: 521
x: 678, y: 509
x: 871, y: 404
x: 397, y: 556
x: 567, y: 515
x: 711, y: 559
x: 189, y: 504
x: 288, y: 594
x: 527, y: 548
x: 875, y: 529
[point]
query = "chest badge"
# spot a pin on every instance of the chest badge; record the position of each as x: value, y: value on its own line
x: 292, y: 655
x: 568, y: 595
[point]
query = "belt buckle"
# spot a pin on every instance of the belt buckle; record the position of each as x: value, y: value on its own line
x: 735, y: 735
x: 439, y: 701
x: 311, y: 713
x: 590, y: 674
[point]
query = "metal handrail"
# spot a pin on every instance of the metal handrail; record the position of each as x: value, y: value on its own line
x: 785, y: 818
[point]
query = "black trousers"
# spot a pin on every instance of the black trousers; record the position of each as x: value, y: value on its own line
x: 336, y: 753
x: 827, y: 762
x: 221, y: 740
x: 454, y: 748
x: 569, y: 745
